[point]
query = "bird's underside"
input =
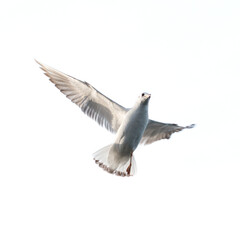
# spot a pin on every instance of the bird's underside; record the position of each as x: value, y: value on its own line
x: 108, y: 114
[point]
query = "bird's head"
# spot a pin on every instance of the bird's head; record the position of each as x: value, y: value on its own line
x: 144, y: 98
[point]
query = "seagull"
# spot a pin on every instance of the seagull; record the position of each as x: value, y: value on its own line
x: 131, y: 125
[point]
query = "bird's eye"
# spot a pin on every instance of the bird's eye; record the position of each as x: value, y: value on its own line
x: 143, y: 94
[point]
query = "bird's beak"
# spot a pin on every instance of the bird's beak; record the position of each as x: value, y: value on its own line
x: 149, y: 96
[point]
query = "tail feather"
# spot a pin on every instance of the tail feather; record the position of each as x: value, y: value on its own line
x: 110, y: 162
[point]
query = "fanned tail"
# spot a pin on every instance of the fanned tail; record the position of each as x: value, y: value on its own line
x: 110, y: 161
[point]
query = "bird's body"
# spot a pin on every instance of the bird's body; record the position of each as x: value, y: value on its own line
x: 118, y: 158
x: 132, y: 126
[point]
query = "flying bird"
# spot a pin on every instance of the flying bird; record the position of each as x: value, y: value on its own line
x: 131, y: 125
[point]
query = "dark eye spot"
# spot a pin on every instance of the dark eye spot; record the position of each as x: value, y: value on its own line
x: 143, y: 94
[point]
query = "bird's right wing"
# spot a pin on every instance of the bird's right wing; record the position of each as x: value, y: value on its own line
x: 156, y: 131
x: 93, y: 103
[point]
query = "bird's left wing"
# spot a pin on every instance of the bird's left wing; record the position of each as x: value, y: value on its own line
x: 93, y: 103
x: 156, y: 131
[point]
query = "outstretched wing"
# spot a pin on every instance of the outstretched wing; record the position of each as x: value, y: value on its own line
x: 156, y: 131
x: 93, y: 103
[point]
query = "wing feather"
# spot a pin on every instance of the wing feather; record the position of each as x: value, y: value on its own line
x: 156, y: 131
x: 103, y: 110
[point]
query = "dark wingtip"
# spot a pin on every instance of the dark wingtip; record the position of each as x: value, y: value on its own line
x: 191, y: 126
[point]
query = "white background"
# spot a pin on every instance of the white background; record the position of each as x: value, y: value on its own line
x: 186, y: 54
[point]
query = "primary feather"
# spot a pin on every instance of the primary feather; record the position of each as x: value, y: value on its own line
x: 156, y: 131
x: 93, y: 103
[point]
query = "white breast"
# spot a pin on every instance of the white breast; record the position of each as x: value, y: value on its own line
x: 132, y: 128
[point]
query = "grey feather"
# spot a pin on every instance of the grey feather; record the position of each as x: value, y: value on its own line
x: 156, y: 131
x: 93, y: 103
